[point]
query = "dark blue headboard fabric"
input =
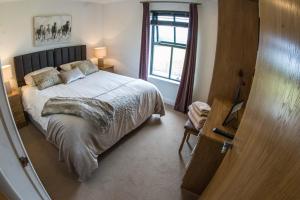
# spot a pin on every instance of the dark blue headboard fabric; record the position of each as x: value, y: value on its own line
x: 27, y: 63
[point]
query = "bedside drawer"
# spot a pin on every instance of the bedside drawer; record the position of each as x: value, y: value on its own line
x: 16, y: 106
x: 107, y: 68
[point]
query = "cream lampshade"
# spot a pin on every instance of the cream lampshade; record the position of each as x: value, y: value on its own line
x: 7, y: 76
x: 100, y: 53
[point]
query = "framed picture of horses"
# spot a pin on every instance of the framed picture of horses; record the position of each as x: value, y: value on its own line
x: 52, y: 29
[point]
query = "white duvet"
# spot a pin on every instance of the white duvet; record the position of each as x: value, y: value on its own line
x: 78, y: 142
x: 97, y: 84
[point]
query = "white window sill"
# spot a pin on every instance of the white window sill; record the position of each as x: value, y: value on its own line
x: 164, y: 79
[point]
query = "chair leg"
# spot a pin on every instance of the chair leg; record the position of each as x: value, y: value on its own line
x: 188, y: 138
x: 183, y: 140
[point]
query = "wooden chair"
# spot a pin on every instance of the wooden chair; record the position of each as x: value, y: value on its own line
x: 189, y: 129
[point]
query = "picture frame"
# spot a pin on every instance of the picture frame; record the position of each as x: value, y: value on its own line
x: 53, y: 29
x: 233, y: 113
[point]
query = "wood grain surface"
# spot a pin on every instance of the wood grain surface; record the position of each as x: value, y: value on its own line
x: 265, y: 160
x: 15, y: 101
x: 207, y: 155
x: 237, y: 45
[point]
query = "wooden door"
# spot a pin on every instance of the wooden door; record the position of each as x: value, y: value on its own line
x: 264, y: 162
x: 236, y: 51
x: 16, y: 181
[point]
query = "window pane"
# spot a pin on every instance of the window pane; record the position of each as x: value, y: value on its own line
x: 182, y: 19
x: 181, y: 35
x: 177, y: 63
x: 155, y: 33
x: 166, y: 33
x: 165, y: 18
x: 161, y: 61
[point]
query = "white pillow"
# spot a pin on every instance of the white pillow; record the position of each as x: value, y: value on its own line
x: 68, y: 66
x: 86, y: 67
x: 28, y: 78
x: 72, y: 75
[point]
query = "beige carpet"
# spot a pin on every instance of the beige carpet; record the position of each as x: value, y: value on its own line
x: 144, y: 165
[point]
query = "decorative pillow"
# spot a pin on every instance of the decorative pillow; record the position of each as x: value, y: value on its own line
x: 68, y: 66
x: 72, y: 75
x: 86, y: 67
x: 46, y: 79
x: 28, y: 78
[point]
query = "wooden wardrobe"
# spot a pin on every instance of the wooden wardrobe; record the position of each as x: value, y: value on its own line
x: 264, y: 162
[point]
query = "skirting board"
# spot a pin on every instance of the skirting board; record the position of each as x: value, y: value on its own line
x: 169, y: 101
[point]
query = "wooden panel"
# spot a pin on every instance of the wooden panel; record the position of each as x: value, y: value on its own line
x: 207, y: 154
x: 58, y: 57
x: 50, y: 57
x: 15, y: 102
x: 72, y: 54
x: 77, y: 53
x: 265, y: 160
x: 83, y: 52
x: 108, y: 68
x: 19, y: 68
x: 236, y: 48
x: 65, y: 55
x: 35, y: 60
x: 25, y: 64
x: 2, y: 197
x: 43, y: 59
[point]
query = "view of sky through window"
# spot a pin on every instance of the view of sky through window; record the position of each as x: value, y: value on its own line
x: 168, y: 45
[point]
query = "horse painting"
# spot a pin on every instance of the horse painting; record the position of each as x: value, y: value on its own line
x: 52, y: 29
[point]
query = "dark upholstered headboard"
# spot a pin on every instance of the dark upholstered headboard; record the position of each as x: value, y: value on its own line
x: 27, y: 63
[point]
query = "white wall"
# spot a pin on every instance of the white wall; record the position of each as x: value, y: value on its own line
x: 207, y: 44
x: 117, y: 25
x: 122, y: 35
x: 16, y: 25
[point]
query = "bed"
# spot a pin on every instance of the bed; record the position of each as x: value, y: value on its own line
x: 79, y: 142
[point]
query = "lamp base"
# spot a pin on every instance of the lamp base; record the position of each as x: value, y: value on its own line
x: 8, y: 87
x: 100, y: 62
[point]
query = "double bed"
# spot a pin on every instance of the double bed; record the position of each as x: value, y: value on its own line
x: 78, y: 141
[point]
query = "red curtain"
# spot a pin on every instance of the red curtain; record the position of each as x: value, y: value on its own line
x: 185, y: 92
x: 144, y: 56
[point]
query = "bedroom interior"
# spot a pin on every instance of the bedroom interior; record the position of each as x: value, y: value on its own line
x: 129, y: 99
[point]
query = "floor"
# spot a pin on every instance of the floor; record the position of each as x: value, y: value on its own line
x: 144, y: 165
x: 2, y: 197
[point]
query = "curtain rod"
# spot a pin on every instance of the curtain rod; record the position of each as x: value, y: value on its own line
x: 184, y: 2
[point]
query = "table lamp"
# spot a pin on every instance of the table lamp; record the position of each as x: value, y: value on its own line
x: 100, y: 53
x: 7, y: 76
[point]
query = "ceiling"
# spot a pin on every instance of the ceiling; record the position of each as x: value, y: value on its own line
x: 97, y: 1
x: 92, y: 1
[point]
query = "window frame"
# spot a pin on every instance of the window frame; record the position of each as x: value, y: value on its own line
x: 155, y: 23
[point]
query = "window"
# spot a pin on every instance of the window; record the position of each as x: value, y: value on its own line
x: 169, y: 32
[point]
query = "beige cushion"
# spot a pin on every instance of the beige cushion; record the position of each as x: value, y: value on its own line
x: 46, y: 79
x: 72, y: 75
x: 67, y: 66
x: 28, y: 78
x: 86, y: 67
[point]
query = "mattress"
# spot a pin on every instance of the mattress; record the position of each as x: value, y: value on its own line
x: 78, y: 142
x: 99, y: 84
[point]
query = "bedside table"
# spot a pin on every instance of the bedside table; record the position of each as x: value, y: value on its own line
x: 16, y: 106
x: 108, y: 68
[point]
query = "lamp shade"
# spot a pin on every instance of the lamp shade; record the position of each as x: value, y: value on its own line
x: 6, y: 72
x: 100, y: 52
x: 7, y: 76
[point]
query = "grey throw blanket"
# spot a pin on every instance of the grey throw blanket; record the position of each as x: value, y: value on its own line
x: 98, y: 112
